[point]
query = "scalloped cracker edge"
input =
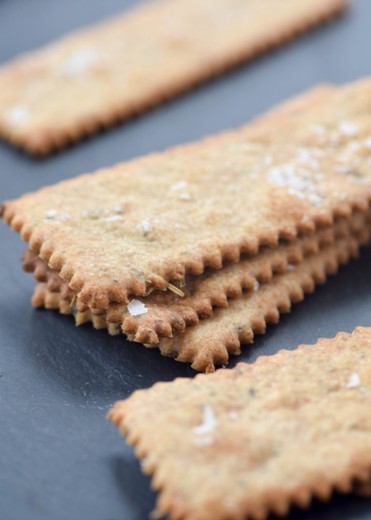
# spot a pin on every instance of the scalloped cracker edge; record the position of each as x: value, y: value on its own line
x: 260, y: 438
x: 138, y: 226
x: 109, y: 72
x: 168, y: 314
x: 211, y: 342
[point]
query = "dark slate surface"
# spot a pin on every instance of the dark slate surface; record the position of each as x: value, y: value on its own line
x: 59, y: 458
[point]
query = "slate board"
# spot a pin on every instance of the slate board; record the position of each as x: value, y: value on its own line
x: 59, y: 458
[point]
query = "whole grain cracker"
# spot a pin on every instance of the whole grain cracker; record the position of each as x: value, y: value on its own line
x: 102, y: 74
x: 111, y: 237
x: 63, y: 303
x: 167, y: 313
x: 260, y: 438
x: 211, y: 342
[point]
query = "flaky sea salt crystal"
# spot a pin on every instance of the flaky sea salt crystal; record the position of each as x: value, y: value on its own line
x: 348, y: 128
x: 256, y: 286
x: 314, y: 198
x: 137, y: 308
x: 145, y: 226
x: 305, y: 156
x: 181, y: 185
x: 354, y: 381
x: 51, y: 214
x: 290, y: 267
x: 208, y: 421
x: 114, y: 218
x: 368, y: 143
x: 185, y: 196
x: 282, y: 175
x: 16, y: 115
x: 353, y: 146
x: 81, y: 62
x: 299, y: 181
x: 233, y: 416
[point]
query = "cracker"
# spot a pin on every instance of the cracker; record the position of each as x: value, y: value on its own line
x: 260, y: 438
x: 55, y: 300
x: 168, y: 313
x: 100, y: 75
x: 135, y: 227
x: 212, y: 341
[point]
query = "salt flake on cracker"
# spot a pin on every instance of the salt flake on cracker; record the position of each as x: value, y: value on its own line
x: 81, y: 62
x: 17, y: 115
x: 300, y: 435
x: 354, y: 380
x: 208, y: 421
x: 348, y: 128
x: 137, y: 308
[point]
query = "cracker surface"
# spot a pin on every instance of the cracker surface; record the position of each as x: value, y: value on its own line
x: 137, y: 226
x: 99, y: 75
x: 259, y: 438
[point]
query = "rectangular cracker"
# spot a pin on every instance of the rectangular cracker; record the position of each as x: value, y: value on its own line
x: 213, y: 340
x: 102, y: 74
x: 135, y: 227
x: 260, y: 438
x: 168, y: 313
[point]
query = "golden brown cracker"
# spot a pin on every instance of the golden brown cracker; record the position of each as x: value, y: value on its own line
x: 211, y: 342
x: 102, y: 74
x: 62, y: 302
x: 260, y: 438
x: 167, y: 313
x: 135, y: 227
x: 45, y: 297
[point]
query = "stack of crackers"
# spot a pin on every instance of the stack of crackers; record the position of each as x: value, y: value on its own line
x: 196, y: 249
